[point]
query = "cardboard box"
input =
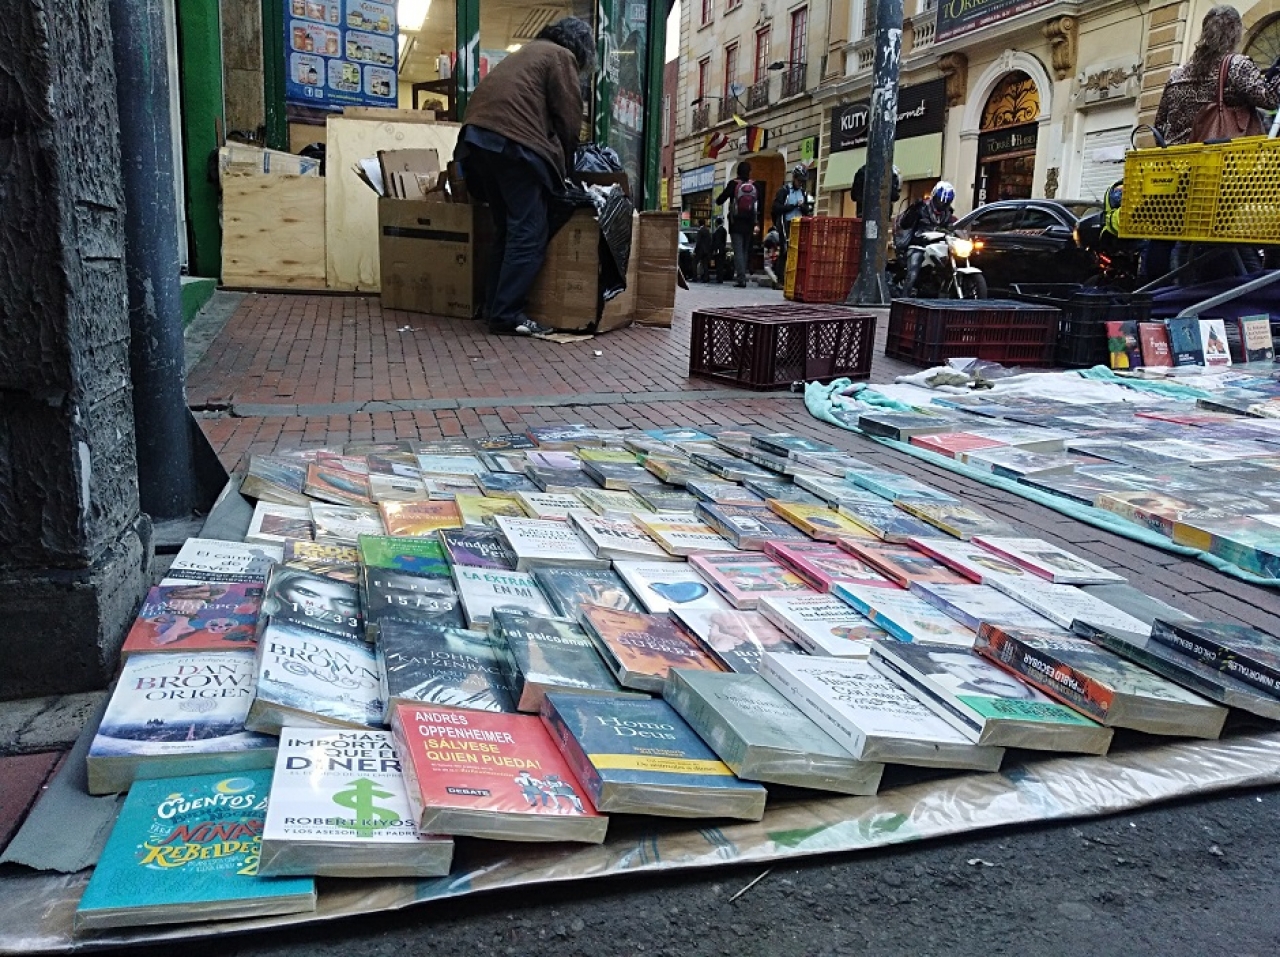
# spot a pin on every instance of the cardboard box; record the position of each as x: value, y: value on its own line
x: 566, y: 294
x: 433, y: 256
x: 237, y: 158
x: 656, y: 246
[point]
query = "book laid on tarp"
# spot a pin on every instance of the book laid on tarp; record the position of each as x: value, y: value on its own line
x: 822, y: 624
x: 569, y: 589
x: 822, y: 564
x: 1101, y: 685
x: 393, y: 596
x: 477, y: 548
x: 186, y: 849
x: 735, y: 639
x: 971, y: 560
x: 1049, y: 561
x: 339, y: 808
x: 435, y: 665
x: 1064, y: 604
x: 893, y: 486
x: 903, y: 615
x: 870, y: 716
x: 423, y: 557
x: 310, y: 679
x: 664, y: 585
x: 640, y: 649
x: 748, y: 526
x: 539, y: 543
x: 398, y: 488
x: 300, y: 598
x: 210, y: 560
x: 480, y: 511
x: 617, y: 539
x: 327, y: 558
x: 903, y: 425
x: 272, y: 524
x: 743, y: 578
x: 276, y: 478
x: 196, y: 616
x: 887, y: 523
x: 538, y: 655
x: 1245, y: 653
x: 175, y: 714
x: 903, y: 565
x: 984, y: 703
x: 1195, y: 675
x: 683, y: 537
x: 637, y: 756
x: 958, y: 520
x: 484, y: 589
x: 819, y: 521
x: 486, y: 775
x: 418, y: 519
x: 336, y: 485
x: 790, y: 446
x: 762, y: 737
x: 433, y: 464
x: 971, y: 605
x: 953, y: 444
x: 547, y: 505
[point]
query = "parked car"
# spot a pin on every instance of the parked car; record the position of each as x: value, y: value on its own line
x: 688, y: 266
x: 1030, y: 241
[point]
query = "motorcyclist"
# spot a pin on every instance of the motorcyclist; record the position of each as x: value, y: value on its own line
x: 923, y: 216
x: 789, y: 204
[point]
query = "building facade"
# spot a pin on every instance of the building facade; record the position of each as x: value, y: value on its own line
x: 747, y: 72
x: 1012, y: 99
x: 670, y: 115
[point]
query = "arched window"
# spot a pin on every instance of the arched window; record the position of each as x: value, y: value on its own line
x: 1263, y: 45
x: 1014, y: 101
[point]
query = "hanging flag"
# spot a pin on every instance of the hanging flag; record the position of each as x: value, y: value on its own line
x: 713, y: 144
x: 754, y: 139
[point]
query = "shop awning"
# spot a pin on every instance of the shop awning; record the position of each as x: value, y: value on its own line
x: 919, y: 157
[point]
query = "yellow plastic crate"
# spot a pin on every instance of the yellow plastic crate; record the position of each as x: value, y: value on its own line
x: 793, y: 269
x: 1225, y: 193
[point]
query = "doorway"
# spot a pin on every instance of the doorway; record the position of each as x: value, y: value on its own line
x: 1007, y: 140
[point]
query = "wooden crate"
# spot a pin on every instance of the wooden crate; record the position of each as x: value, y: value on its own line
x: 273, y: 231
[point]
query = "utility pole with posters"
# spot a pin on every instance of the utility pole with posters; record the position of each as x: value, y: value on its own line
x: 869, y: 288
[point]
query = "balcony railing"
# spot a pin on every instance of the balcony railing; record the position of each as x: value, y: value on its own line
x: 728, y: 106
x: 701, y: 117
x: 793, y: 81
x: 923, y: 29
x: 758, y: 95
x: 864, y: 51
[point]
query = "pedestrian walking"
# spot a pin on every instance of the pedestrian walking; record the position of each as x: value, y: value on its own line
x: 702, y: 252
x: 744, y: 211
x: 719, y: 249
x: 521, y: 131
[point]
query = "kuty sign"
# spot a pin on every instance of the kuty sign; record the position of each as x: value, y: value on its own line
x: 922, y: 109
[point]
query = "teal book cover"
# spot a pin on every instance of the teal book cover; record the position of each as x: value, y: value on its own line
x: 186, y: 849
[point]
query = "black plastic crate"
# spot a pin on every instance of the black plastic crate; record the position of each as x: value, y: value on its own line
x: 928, y: 332
x: 770, y: 347
x: 1082, y: 331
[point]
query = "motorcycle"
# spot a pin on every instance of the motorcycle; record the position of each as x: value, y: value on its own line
x: 1118, y: 260
x: 944, y: 273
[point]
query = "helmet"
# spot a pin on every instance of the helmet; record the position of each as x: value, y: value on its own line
x: 1111, y: 208
x: 944, y: 194
x: 800, y: 172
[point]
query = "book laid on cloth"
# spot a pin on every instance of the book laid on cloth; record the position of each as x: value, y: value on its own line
x: 617, y: 539
x: 903, y: 615
x: 272, y: 524
x: 735, y: 639
x: 902, y: 565
x: 763, y: 737
x: 971, y: 605
x: 822, y: 564
x: 312, y: 601
x: 327, y: 558
x: 1193, y: 674
x: 569, y: 589
x: 196, y: 616
x: 394, y: 596
x: 484, y: 589
x: 1243, y: 652
x: 310, y: 679
x: 952, y: 444
x: 173, y: 714
x: 418, y: 519
x: 822, y: 624
x: 495, y: 776
x: 1101, y: 685
x: 434, y: 665
x: 339, y: 808
x: 637, y: 756
x: 743, y: 578
x: 538, y: 655
x: 683, y: 537
x: 539, y: 543
x: 641, y: 649
x: 423, y: 557
x: 870, y: 716
x: 664, y: 585
x: 1048, y: 561
x: 209, y: 560
x: 984, y: 703
x: 186, y: 849
x: 477, y: 548
x: 748, y: 526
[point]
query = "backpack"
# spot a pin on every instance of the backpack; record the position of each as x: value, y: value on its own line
x: 744, y: 201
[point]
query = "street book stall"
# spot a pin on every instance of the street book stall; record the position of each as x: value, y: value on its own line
x: 416, y: 670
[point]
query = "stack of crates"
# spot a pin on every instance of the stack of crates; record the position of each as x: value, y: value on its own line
x: 928, y: 332
x: 822, y: 258
x: 1082, y: 331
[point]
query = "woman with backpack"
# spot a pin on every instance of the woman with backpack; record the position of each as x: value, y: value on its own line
x: 744, y: 207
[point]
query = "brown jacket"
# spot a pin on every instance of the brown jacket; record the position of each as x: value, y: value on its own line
x: 534, y: 98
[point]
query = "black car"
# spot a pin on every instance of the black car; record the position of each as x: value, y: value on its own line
x: 1030, y: 241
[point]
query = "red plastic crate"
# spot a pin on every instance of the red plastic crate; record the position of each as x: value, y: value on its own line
x: 823, y: 258
x: 928, y: 332
x: 770, y: 347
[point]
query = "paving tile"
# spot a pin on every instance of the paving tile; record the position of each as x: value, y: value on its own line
x: 21, y: 779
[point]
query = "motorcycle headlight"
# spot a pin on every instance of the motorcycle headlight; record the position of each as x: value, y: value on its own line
x: 963, y: 247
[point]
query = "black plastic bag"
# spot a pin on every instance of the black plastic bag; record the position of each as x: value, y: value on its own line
x: 594, y: 158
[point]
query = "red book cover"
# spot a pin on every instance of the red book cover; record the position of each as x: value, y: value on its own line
x: 822, y: 567
x: 951, y: 444
x: 641, y: 649
x: 196, y: 616
x: 902, y: 564
x: 485, y: 774
x: 1154, y: 337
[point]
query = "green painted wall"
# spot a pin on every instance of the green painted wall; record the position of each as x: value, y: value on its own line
x: 658, y: 13
x: 200, y: 70
x: 273, y: 73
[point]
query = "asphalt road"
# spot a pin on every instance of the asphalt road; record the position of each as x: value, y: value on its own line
x: 1194, y: 879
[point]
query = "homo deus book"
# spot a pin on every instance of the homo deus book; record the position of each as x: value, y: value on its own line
x: 186, y: 849
x: 173, y: 714
x: 497, y: 776
x: 339, y: 808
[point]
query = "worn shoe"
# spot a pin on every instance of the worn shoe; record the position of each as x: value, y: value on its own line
x: 525, y: 327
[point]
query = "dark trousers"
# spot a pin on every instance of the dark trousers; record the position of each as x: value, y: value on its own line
x: 741, y: 248
x: 518, y: 200
x: 702, y: 267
